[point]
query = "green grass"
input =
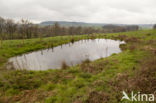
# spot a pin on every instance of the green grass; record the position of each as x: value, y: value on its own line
x: 87, y: 82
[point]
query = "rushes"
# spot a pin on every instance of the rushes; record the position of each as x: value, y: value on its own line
x: 64, y: 65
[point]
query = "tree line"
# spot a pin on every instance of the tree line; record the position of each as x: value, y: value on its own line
x: 24, y: 29
x: 154, y: 27
x: 120, y: 28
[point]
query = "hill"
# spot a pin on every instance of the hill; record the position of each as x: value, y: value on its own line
x: 66, y: 23
x: 84, y: 24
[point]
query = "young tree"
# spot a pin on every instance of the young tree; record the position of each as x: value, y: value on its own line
x: 10, y: 28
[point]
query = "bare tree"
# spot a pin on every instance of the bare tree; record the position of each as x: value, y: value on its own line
x: 26, y: 29
x: 64, y: 31
x: 10, y: 28
x: 56, y: 29
x: 2, y: 21
x: 71, y: 30
x: 79, y: 30
x: 35, y: 30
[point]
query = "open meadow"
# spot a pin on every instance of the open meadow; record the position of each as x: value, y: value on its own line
x: 99, y: 81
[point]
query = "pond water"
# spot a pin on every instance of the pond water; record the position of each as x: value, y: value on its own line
x: 71, y: 54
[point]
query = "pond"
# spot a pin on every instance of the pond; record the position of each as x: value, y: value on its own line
x: 71, y: 54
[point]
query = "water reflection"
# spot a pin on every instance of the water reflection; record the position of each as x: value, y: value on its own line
x: 71, y: 54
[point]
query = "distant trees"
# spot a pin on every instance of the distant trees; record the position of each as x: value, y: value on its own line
x: 56, y: 29
x: 132, y: 27
x: 117, y: 28
x: 9, y: 29
x: 2, y: 21
x: 154, y: 27
x: 26, y: 29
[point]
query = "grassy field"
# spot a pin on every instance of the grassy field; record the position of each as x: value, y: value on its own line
x: 101, y: 81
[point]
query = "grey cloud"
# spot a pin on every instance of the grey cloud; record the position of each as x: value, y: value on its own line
x: 102, y: 11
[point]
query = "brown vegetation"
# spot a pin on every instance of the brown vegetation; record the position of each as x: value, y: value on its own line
x: 98, y: 97
x: 144, y: 78
x: 29, y: 96
x: 89, y: 67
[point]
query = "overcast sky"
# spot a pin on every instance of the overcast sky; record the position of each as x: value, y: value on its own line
x: 95, y: 11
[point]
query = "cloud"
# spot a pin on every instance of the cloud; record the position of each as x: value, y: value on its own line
x: 101, y: 11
